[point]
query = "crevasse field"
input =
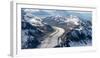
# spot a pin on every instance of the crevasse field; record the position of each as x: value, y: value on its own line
x: 49, y: 28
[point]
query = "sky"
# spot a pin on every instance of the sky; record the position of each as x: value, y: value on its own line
x: 52, y: 12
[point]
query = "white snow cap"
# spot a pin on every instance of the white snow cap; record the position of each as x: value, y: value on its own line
x: 36, y: 21
x: 73, y: 19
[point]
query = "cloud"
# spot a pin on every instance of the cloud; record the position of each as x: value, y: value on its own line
x: 80, y: 12
x: 31, y: 10
x: 48, y: 12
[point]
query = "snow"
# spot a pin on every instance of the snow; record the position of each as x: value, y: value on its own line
x: 36, y: 21
x: 75, y: 44
x: 31, y: 10
x: 80, y: 28
x: 73, y: 19
x: 52, y: 40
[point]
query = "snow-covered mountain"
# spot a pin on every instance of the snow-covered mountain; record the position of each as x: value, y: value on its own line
x: 32, y: 34
x: 32, y: 30
x: 54, y: 20
x: 80, y: 35
x: 36, y: 21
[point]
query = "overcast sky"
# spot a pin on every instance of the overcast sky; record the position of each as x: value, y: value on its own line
x: 48, y: 12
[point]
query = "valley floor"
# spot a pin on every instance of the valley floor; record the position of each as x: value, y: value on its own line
x: 52, y: 39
